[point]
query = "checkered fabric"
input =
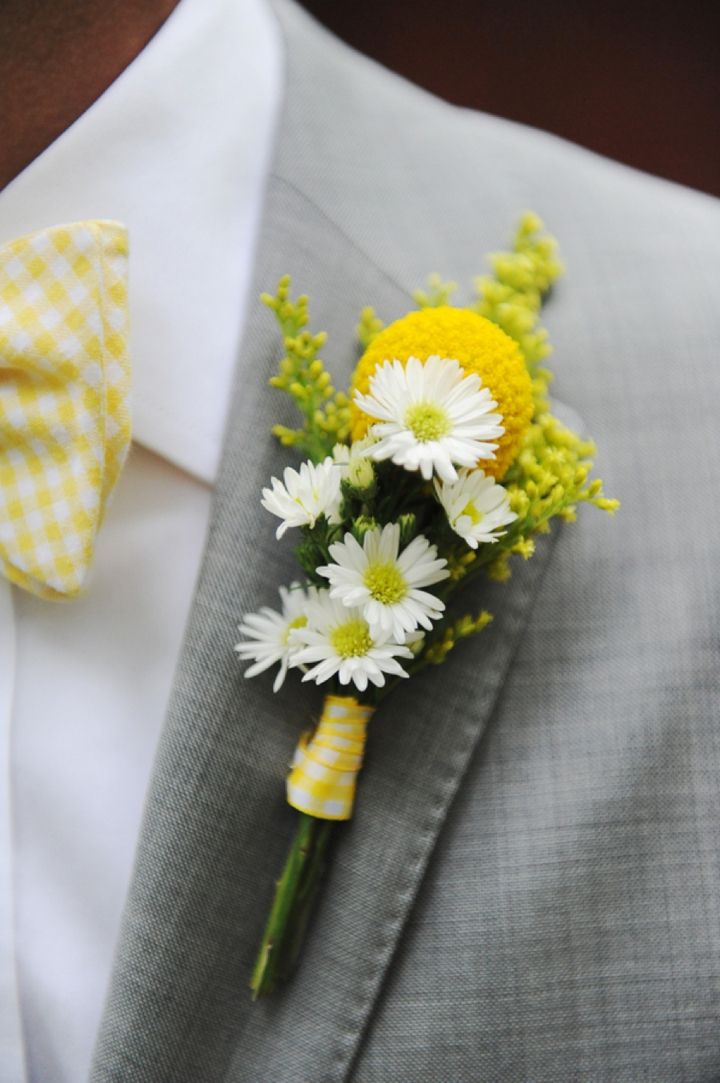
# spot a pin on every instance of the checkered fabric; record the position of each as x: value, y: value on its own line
x: 64, y: 391
x: 325, y: 766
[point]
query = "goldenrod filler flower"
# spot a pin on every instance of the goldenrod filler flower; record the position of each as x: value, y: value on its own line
x: 478, y: 345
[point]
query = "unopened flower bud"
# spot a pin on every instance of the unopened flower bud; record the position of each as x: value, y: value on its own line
x: 362, y: 525
x: 408, y: 527
x: 361, y: 476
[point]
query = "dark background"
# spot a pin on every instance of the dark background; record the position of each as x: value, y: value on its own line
x: 637, y: 81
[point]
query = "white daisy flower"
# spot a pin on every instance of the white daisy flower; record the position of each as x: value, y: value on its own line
x: 337, y: 641
x: 271, y: 635
x: 385, y: 583
x: 476, y: 507
x: 303, y: 496
x: 430, y: 416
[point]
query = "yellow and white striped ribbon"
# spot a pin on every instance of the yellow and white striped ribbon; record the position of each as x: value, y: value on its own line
x: 324, y: 770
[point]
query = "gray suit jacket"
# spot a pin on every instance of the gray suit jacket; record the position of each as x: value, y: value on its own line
x: 529, y: 890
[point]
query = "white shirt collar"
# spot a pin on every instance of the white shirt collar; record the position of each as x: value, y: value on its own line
x: 177, y: 148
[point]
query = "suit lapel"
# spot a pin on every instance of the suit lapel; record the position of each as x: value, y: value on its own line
x: 217, y: 827
x: 12, y: 1065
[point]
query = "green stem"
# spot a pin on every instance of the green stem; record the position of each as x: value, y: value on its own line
x: 291, y: 906
x: 293, y: 941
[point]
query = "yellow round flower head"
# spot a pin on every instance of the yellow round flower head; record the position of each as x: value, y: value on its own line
x: 478, y: 345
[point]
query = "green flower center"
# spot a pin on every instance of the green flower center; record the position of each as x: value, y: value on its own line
x: 298, y: 622
x: 386, y: 583
x: 472, y: 513
x: 427, y: 421
x: 351, y: 639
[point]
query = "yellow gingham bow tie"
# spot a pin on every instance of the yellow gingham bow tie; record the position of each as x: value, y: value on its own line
x: 64, y: 410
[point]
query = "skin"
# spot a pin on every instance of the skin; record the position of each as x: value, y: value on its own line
x: 56, y: 58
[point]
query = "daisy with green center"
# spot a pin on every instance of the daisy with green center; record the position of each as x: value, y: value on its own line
x: 431, y: 417
x: 270, y: 636
x: 384, y: 582
x: 305, y: 494
x: 476, y: 507
x: 338, y: 642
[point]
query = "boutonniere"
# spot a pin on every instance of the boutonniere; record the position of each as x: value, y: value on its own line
x: 440, y: 465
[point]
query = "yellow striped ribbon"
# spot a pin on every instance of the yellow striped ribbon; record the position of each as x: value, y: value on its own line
x: 324, y: 770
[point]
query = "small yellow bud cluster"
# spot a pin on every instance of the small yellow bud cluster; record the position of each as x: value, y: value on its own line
x: 458, y: 563
x: 462, y: 628
x: 438, y: 293
x: 550, y: 477
x: 303, y: 376
x: 512, y: 296
x: 498, y: 569
x: 370, y: 325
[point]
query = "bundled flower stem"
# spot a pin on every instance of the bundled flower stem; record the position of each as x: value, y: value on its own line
x: 294, y: 895
x: 441, y: 463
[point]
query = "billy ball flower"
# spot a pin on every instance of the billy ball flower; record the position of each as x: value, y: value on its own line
x: 338, y: 642
x: 304, y: 495
x: 384, y: 583
x: 430, y: 416
x: 476, y: 507
x: 270, y: 635
x: 478, y: 345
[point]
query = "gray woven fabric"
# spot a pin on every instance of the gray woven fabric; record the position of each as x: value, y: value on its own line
x: 530, y: 889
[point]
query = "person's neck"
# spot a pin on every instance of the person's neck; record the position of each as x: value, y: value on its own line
x: 57, y: 59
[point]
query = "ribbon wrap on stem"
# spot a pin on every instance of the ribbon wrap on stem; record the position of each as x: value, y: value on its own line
x: 324, y: 771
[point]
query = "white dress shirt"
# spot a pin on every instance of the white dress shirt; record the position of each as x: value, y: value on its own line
x: 178, y: 149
